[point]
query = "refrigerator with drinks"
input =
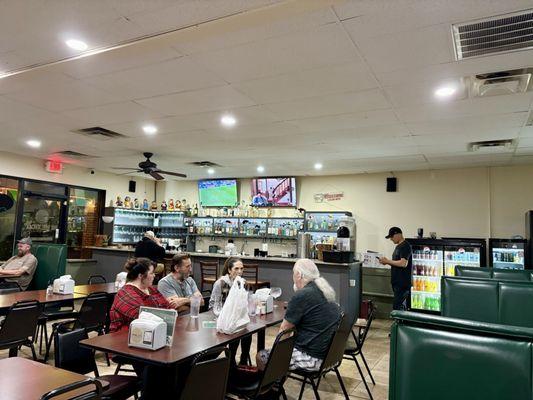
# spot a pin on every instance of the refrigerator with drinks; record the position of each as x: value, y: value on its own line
x: 433, y: 258
x: 507, y: 253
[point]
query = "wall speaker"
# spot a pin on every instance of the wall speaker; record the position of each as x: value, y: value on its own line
x: 392, y: 184
x: 133, y: 186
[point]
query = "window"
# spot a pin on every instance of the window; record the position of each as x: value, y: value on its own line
x: 9, y: 194
x: 82, y: 221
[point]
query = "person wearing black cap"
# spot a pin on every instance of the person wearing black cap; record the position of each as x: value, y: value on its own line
x: 400, y: 264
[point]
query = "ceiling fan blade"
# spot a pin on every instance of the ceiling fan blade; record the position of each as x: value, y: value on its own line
x: 156, y: 175
x: 133, y: 169
x: 173, y: 173
x: 130, y: 172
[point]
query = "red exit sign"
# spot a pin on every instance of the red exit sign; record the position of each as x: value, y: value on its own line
x: 56, y: 167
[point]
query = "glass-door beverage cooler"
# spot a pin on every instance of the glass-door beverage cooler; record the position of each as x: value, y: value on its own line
x: 433, y: 258
x: 507, y: 253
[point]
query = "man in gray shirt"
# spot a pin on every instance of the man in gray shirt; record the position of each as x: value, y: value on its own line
x: 179, y: 283
x: 19, y: 268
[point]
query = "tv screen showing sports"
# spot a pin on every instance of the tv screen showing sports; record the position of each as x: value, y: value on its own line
x: 274, y: 192
x: 218, y: 193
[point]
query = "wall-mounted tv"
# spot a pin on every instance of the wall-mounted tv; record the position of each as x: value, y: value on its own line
x: 218, y: 193
x: 274, y: 192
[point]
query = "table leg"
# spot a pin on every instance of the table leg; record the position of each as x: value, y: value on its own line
x: 261, y: 339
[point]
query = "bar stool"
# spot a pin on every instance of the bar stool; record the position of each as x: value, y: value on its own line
x: 251, y: 275
x: 208, y: 272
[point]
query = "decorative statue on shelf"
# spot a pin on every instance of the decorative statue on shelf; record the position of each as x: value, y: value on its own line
x: 171, y: 205
x: 127, y: 202
x: 184, y: 206
x: 119, y: 202
x: 146, y: 206
x: 163, y: 205
x: 177, y: 205
x: 136, y: 204
x: 153, y: 207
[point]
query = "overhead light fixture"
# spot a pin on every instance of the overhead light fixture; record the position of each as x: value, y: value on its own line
x: 34, y: 143
x: 150, y: 129
x: 444, y: 92
x: 318, y: 166
x: 211, y: 171
x: 260, y: 169
x: 228, y: 120
x: 76, y: 44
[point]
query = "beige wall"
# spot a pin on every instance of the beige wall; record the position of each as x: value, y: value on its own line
x: 27, y: 167
x: 473, y: 202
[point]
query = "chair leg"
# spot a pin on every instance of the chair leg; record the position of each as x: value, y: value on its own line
x: 368, y: 369
x: 13, y: 351
x: 341, y: 382
x: 302, y: 389
x: 363, y: 378
x: 49, y: 345
x: 117, y: 370
x: 32, y: 347
x: 282, y: 391
x: 315, y: 389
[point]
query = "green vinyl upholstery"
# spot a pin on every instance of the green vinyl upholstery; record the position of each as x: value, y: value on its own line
x: 439, y: 358
x: 471, y: 299
x: 494, y: 273
x: 515, y: 304
x: 511, y: 275
x: 473, y: 272
x: 52, y: 263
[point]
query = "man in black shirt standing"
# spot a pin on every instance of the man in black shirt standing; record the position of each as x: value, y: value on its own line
x: 401, y: 264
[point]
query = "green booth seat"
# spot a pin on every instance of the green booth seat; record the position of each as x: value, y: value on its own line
x: 52, y: 263
x: 440, y: 358
x: 494, y: 273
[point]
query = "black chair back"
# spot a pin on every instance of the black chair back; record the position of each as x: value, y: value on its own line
x: 95, y: 394
x: 337, y: 345
x: 9, y: 287
x: 279, y: 361
x: 96, y: 279
x: 20, y: 322
x: 93, y: 311
x: 206, y: 366
x: 364, y: 331
x: 10, y: 290
x: 69, y: 354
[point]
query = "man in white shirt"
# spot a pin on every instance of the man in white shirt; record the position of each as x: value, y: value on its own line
x: 19, y: 268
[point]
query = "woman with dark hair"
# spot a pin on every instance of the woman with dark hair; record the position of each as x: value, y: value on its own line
x: 233, y: 267
x: 138, y: 291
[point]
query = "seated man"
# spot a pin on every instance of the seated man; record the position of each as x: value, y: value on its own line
x: 315, y: 315
x: 19, y: 268
x: 179, y: 283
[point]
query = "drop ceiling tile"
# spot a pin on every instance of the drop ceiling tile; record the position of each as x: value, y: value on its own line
x: 347, y: 121
x: 326, y: 45
x: 12, y: 110
x: 334, y: 104
x: 263, y: 131
x: 172, y: 76
x: 321, y: 81
x: 219, y: 98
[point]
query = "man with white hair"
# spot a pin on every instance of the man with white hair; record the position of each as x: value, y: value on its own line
x: 315, y: 315
x: 150, y: 247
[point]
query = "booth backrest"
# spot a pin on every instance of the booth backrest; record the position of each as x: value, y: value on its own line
x: 488, y: 300
x: 52, y: 263
x: 439, y: 358
x: 494, y: 273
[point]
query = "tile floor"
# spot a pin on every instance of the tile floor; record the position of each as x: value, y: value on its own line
x: 376, y: 350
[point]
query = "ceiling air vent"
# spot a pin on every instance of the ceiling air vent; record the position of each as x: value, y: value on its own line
x: 501, y: 83
x: 492, y: 146
x: 205, y: 164
x: 74, y: 154
x: 100, y: 133
x: 503, y: 33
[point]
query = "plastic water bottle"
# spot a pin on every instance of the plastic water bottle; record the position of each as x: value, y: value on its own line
x: 49, y: 289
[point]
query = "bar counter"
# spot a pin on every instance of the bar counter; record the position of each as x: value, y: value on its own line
x: 346, y: 279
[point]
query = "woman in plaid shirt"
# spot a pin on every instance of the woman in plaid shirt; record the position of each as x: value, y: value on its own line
x: 138, y: 291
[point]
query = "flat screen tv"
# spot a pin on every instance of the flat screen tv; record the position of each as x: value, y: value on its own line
x: 274, y: 192
x: 218, y: 193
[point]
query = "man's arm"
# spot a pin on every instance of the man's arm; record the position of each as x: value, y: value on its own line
x: 401, y: 263
x: 285, y: 325
x: 13, y: 272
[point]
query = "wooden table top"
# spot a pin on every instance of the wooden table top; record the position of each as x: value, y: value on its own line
x: 96, y: 287
x: 23, y: 379
x: 7, y: 300
x: 190, y: 338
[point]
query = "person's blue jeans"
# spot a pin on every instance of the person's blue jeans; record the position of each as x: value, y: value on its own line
x: 402, y: 298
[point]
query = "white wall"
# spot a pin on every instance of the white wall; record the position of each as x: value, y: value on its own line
x: 114, y: 185
x: 473, y: 202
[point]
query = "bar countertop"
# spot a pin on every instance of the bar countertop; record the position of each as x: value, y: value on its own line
x: 218, y: 255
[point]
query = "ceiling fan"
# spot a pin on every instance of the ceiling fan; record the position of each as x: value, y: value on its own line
x: 150, y: 168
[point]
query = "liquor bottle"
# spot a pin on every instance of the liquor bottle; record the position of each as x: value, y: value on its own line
x: 195, y: 211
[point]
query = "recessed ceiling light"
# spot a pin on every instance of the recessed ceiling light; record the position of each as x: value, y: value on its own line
x: 150, y: 129
x: 211, y: 171
x: 260, y: 169
x: 445, y: 91
x: 34, y: 143
x: 318, y: 165
x: 228, y: 120
x: 76, y: 44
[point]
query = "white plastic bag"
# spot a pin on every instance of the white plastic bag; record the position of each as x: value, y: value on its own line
x: 234, y: 314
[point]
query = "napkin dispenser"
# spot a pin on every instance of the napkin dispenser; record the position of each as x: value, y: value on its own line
x: 264, y: 300
x: 148, y: 333
x: 63, y: 285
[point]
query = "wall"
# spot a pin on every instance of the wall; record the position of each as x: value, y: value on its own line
x: 472, y: 202
x: 27, y: 167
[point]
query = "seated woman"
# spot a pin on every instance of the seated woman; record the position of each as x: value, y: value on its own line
x: 138, y: 291
x: 232, y: 268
